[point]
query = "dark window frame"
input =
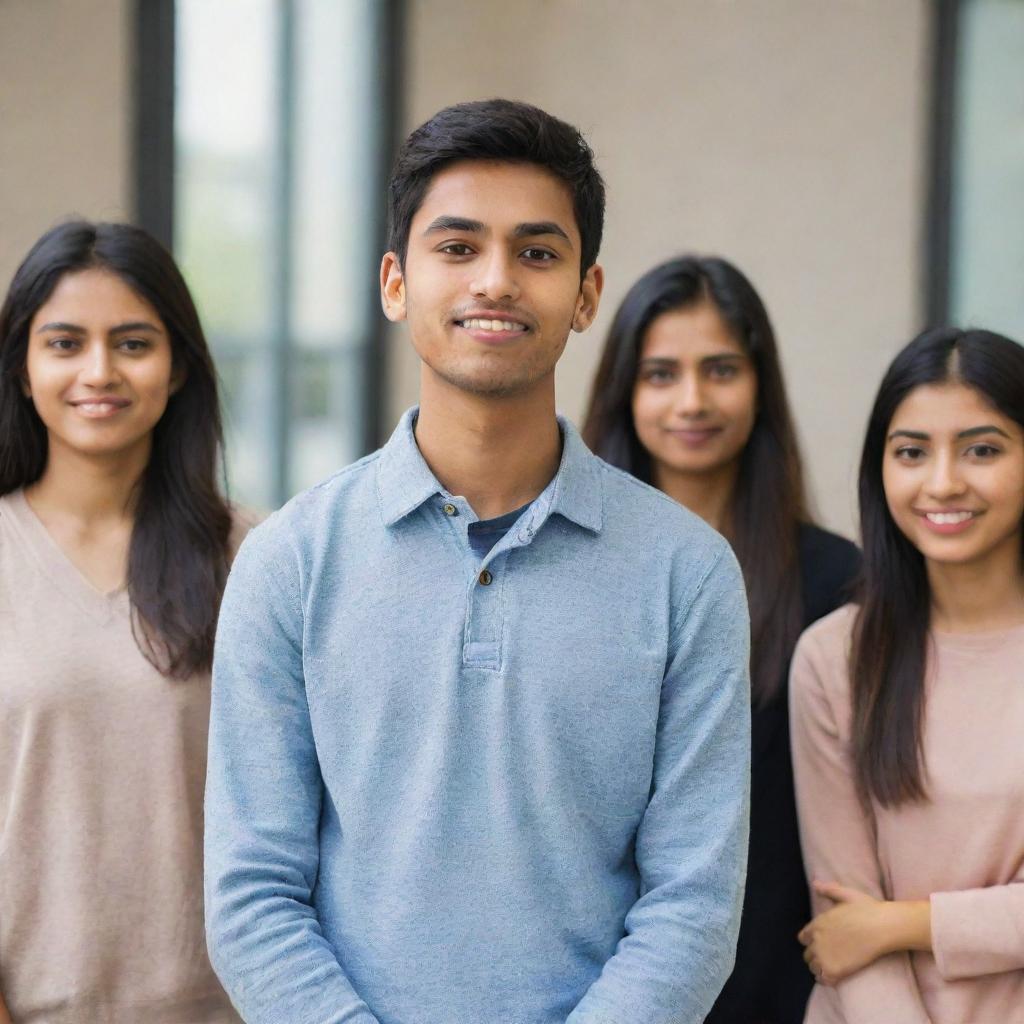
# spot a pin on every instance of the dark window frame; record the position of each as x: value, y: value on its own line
x: 941, y: 151
x: 153, y: 182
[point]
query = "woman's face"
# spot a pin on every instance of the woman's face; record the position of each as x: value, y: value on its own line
x: 98, y: 367
x: 953, y: 472
x: 695, y: 397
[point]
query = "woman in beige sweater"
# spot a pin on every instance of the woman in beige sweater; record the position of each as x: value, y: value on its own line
x: 908, y: 708
x: 114, y: 547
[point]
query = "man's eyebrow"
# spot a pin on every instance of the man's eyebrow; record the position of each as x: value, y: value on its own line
x: 532, y: 228
x: 445, y: 223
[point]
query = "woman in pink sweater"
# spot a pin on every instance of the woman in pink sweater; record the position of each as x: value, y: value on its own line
x: 908, y: 708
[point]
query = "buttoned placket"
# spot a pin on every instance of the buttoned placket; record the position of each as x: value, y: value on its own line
x: 487, y: 590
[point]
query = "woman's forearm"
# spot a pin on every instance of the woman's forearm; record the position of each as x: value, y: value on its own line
x: 909, y: 926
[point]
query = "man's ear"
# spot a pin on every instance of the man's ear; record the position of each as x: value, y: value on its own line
x: 392, y: 288
x: 589, y: 298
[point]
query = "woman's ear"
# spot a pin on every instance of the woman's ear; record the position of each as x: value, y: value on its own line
x: 178, y: 377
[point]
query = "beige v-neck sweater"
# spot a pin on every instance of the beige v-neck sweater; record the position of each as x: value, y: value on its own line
x: 102, y: 766
x: 962, y: 848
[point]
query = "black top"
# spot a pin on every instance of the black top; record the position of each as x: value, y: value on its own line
x: 770, y: 983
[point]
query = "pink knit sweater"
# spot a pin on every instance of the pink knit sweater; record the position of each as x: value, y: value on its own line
x: 963, y: 848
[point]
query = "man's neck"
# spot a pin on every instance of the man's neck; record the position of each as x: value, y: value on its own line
x: 497, y: 453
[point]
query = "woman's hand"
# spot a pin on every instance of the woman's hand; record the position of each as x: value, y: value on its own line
x: 859, y: 929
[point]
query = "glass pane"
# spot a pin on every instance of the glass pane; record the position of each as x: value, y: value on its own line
x: 277, y: 139
x: 987, y: 259
x: 224, y: 147
x: 333, y: 245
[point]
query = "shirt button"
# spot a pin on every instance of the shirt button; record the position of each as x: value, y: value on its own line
x: 485, y: 578
x: 450, y: 509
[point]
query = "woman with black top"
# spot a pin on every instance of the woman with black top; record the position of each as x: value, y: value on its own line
x: 689, y: 397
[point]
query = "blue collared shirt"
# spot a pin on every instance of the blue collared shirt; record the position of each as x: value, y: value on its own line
x: 446, y: 789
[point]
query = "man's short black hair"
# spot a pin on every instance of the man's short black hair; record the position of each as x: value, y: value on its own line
x: 496, y: 130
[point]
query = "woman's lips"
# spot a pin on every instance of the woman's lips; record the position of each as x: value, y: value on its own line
x: 694, y: 437
x: 948, y: 521
x: 100, y: 408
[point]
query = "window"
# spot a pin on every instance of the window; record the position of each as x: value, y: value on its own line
x: 983, y: 262
x: 282, y: 115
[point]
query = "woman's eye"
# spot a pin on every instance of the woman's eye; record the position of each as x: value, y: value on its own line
x: 909, y: 453
x: 983, y: 451
x: 134, y: 345
x: 539, y: 255
x: 723, y: 371
x: 657, y: 375
x: 63, y: 344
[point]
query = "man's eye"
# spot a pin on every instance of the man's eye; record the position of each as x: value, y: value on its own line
x: 456, y: 249
x: 540, y: 255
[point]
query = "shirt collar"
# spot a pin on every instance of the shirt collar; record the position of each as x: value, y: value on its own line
x: 405, y: 481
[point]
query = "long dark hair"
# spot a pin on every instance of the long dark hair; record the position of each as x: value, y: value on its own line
x: 768, y: 502
x: 178, y: 556
x: 890, y: 638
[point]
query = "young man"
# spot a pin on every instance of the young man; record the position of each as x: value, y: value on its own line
x: 480, y: 734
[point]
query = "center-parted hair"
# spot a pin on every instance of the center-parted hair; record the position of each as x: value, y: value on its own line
x: 501, y: 130
x: 768, y: 502
x: 890, y: 637
x: 178, y: 554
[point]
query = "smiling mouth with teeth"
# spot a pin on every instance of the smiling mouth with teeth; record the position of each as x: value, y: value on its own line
x: 948, y: 518
x: 477, y: 324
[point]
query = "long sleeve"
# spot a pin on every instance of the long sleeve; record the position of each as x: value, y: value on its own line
x: 691, y: 844
x: 978, y: 931
x: 836, y: 834
x: 263, y: 802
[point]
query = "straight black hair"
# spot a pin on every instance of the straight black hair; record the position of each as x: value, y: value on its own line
x: 501, y: 130
x: 768, y: 502
x: 178, y: 556
x: 890, y: 639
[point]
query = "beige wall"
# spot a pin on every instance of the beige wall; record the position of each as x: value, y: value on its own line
x: 65, y: 117
x: 787, y: 135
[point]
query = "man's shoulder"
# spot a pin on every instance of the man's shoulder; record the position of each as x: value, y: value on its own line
x: 315, y: 514
x: 650, y: 517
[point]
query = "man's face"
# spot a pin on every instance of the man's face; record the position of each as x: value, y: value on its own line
x: 491, y: 281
